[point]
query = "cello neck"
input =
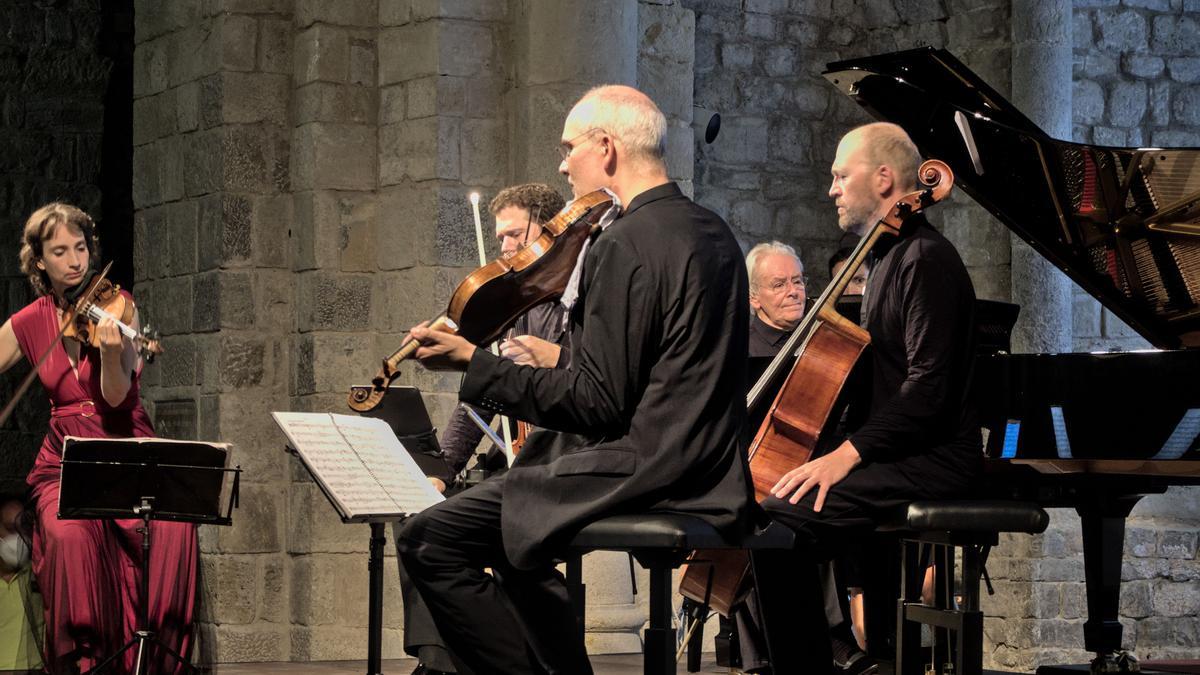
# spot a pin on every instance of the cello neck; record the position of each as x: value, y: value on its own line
x: 935, y: 182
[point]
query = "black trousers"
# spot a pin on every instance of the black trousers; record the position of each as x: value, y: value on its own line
x: 421, y: 637
x: 509, y: 622
x: 792, y: 590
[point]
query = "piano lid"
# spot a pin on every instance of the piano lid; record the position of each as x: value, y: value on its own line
x: 1123, y: 223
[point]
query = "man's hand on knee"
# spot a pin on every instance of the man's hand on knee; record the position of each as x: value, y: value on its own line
x: 822, y: 473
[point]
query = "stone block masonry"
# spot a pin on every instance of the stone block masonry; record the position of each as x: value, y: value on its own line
x: 301, y: 169
x: 51, y: 148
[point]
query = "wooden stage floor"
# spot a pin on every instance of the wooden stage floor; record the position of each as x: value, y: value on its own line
x: 603, y: 664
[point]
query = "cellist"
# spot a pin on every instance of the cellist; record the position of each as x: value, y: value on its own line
x: 918, y: 437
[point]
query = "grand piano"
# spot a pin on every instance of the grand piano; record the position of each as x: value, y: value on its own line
x: 1092, y: 431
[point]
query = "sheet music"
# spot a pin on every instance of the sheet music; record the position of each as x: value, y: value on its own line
x: 360, y: 462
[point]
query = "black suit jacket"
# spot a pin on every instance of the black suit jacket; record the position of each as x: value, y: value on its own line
x: 650, y: 416
x: 461, y: 437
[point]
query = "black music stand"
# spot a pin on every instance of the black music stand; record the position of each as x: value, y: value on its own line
x: 404, y: 411
x: 151, y: 479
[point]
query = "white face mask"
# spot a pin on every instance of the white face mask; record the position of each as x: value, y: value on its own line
x: 14, y: 552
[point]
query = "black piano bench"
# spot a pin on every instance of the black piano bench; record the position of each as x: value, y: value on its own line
x: 660, y: 542
x: 974, y: 527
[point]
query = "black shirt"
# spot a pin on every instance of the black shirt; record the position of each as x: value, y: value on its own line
x: 919, y: 310
x: 765, y: 340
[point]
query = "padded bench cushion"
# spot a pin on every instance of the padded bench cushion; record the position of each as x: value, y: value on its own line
x: 975, y: 516
x: 668, y: 531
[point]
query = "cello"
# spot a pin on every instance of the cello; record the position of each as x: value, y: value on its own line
x: 490, y: 299
x: 826, y: 346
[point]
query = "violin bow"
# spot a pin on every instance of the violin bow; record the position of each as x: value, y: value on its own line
x: 83, y: 299
x: 508, y: 446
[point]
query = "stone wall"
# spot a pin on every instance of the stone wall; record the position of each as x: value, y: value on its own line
x: 302, y: 169
x: 758, y: 64
x: 55, y: 74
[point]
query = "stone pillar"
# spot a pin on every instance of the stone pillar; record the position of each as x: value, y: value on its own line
x: 334, y: 180
x: 592, y: 42
x: 666, y: 72
x: 1041, y: 77
x: 211, y: 96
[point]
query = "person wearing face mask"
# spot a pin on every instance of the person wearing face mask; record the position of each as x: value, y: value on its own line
x: 539, y: 338
x: 89, y: 571
x: 20, y: 605
x: 777, y: 296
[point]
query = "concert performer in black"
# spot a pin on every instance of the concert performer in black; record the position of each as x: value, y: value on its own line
x: 918, y: 437
x: 650, y: 415
x: 539, y: 338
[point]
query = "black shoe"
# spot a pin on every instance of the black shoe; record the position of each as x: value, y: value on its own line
x: 860, y: 663
x: 422, y: 669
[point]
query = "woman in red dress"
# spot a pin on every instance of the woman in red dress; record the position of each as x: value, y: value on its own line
x: 89, y: 571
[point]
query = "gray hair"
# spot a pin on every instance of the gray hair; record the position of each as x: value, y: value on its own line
x: 629, y: 115
x: 767, y: 248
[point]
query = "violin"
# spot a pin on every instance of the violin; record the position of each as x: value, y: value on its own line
x: 102, y: 299
x: 491, y: 298
x: 87, y: 305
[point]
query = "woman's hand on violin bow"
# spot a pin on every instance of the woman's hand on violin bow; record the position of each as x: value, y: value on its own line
x: 822, y: 473
x: 527, y: 350
x: 440, y: 350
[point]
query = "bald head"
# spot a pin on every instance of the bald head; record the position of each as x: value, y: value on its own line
x: 875, y: 165
x: 887, y: 144
x: 627, y: 114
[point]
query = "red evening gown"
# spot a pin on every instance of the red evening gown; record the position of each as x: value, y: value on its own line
x: 89, y: 571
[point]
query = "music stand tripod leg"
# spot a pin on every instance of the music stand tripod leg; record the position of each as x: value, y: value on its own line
x: 375, y: 600
x: 143, y: 637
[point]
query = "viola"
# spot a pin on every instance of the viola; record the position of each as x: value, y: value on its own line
x: 826, y: 346
x: 491, y: 298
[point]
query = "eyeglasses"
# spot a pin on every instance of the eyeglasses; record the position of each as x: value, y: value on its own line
x: 779, y: 285
x: 566, y: 147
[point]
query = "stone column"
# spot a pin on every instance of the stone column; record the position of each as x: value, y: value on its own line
x: 334, y: 182
x: 211, y: 96
x: 1041, y: 87
x: 563, y: 49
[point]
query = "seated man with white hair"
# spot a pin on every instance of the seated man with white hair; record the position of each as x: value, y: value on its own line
x: 777, y: 297
x: 649, y: 417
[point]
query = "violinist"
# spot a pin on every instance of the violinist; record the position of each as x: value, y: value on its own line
x: 915, y: 436
x: 649, y: 416
x: 538, y: 339
x: 89, y: 570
